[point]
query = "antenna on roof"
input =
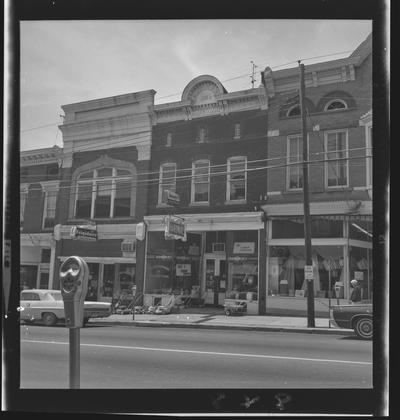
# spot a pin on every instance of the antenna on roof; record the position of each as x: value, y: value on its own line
x: 252, y: 75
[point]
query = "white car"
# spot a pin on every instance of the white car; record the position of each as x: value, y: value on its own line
x: 47, y: 306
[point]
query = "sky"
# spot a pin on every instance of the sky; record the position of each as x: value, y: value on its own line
x: 64, y: 62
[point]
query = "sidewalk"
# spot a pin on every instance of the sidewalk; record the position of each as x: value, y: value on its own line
x: 217, y: 321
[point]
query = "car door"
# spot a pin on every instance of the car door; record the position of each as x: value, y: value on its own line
x: 26, y: 300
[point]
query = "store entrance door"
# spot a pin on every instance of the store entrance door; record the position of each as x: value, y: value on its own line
x: 215, y: 282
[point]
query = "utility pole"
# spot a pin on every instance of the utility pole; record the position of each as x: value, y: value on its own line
x: 308, y: 269
x: 252, y: 74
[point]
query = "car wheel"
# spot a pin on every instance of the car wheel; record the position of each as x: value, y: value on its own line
x: 363, y: 328
x: 49, y: 319
x: 228, y: 312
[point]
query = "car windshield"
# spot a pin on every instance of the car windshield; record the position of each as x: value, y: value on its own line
x: 56, y: 295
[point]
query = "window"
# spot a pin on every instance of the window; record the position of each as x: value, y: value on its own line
x: 169, y: 140
x: 104, y: 192
x: 237, y: 131
x: 201, y: 181
x: 202, y: 135
x: 236, y: 182
x: 294, y: 154
x: 294, y: 111
x: 29, y: 296
x: 45, y: 255
x: 23, y: 195
x: 167, y: 181
x: 335, y: 104
x: 49, y: 213
x: 336, y: 171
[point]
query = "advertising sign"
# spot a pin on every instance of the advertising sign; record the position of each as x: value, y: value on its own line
x: 308, y: 272
x: 183, y: 269
x: 175, y: 228
x: 243, y: 247
x: 85, y: 233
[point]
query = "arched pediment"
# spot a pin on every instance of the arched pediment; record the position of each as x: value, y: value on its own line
x: 203, y: 90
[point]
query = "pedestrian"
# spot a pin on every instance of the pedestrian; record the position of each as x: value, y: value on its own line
x: 356, y: 292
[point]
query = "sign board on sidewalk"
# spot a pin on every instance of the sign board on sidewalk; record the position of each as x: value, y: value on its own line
x: 85, y: 233
x: 308, y: 272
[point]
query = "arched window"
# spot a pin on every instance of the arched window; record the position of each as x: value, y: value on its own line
x: 103, y: 192
x: 293, y: 111
x: 335, y: 104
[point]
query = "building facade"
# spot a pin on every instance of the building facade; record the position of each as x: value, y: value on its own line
x: 338, y: 101
x: 206, y: 148
x: 106, y: 157
x: 39, y: 186
x: 227, y: 166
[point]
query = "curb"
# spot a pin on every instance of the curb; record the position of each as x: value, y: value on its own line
x: 314, y: 330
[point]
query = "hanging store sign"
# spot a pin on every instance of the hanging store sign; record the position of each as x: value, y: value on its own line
x: 84, y: 232
x: 243, y: 247
x: 172, y: 198
x: 140, y: 231
x: 175, y: 228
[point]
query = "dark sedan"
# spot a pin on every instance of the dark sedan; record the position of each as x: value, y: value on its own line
x: 356, y: 316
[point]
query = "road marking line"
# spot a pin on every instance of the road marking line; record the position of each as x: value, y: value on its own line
x: 264, y: 356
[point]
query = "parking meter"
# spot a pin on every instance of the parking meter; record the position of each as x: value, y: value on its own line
x: 74, y: 274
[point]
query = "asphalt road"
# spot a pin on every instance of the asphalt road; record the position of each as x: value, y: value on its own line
x: 148, y: 358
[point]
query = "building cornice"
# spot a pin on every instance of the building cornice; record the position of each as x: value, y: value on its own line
x: 41, y: 156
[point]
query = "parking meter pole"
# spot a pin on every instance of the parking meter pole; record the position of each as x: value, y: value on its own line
x: 74, y: 358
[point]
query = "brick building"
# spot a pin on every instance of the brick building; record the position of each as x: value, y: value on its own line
x: 231, y: 158
x: 106, y: 152
x: 338, y: 99
x: 39, y: 182
x: 206, y: 148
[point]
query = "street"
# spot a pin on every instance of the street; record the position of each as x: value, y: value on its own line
x: 148, y: 358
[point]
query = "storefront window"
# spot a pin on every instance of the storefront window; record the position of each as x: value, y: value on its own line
x: 215, y: 242
x: 93, y: 282
x: 243, y: 266
x: 108, y: 281
x: 28, y: 276
x: 360, y: 268
x: 286, y: 270
x: 173, y: 266
x: 294, y: 228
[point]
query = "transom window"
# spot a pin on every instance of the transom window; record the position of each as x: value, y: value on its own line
x: 103, y: 192
x: 294, y: 154
x: 236, y: 178
x: 335, y: 104
x: 336, y: 171
x: 293, y: 111
x: 201, y: 181
x: 167, y: 181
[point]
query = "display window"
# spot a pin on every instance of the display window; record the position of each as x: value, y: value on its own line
x: 28, y: 276
x: 286, y: 270
x: 93, y: 282
x: 360, y: 268
x: 173, y: 266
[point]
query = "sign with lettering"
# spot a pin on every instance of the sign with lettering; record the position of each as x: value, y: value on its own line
x: 85, y: 233
x: 175, y: 228
x: 172, y: 198
x: 308, y: 272
x: 183, y: 269
x: 243, y: 247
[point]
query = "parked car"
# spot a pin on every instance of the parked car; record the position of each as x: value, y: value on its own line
x: 235, y: 307
x: 356, y: 316
x: 47, y: 306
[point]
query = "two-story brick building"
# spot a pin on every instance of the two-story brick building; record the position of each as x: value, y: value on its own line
x: 39, y: 182
x: 338, y: 99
